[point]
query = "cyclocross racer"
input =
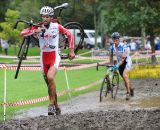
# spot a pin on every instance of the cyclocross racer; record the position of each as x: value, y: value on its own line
x: 124, y: 62
x: 48, y: 36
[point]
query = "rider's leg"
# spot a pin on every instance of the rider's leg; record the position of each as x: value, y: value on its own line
x: 51, y: 84
x: 52, y: 89
x: 45, y: 78
x: 126, y: 80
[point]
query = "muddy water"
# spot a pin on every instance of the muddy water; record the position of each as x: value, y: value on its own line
x: 150, y: 102
x: 85, y: 112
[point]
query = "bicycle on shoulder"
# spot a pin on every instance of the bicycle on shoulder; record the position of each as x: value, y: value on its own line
x: 63, y: 40
x: 110, y: 82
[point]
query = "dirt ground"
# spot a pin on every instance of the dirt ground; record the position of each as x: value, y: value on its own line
x: 85, y: 112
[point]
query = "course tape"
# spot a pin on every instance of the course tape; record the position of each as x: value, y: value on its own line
x: 37, y: 100
x: 38, y: 68
x: 28, y: 68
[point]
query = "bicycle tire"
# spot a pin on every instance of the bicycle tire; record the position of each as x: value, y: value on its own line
x: 22, y: 54
x: 115, y: 84
x: 104, y: 88
x: 64, y: 45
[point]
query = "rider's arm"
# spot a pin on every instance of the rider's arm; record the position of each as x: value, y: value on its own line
x: 111, y: 50
x: 30, y: 31
x: 123, y: 57
x: 124, y: 54
x: 68, y: 34
x: 111, y: 58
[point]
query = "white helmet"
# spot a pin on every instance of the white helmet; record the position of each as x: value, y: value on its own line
x: 46, y: 10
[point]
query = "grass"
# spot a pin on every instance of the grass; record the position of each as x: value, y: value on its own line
x: 30, y: 85
x: 32, y: 51
x: 8, y: 60
x: 35, y: 51
x: 33, y: 85
x: 84, y: 61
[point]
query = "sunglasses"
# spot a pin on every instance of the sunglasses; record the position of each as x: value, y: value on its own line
x: 46, y: 16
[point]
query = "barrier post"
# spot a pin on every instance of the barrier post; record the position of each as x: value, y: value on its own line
x: 65, y: 71
x: 136, y: 58
x: 147, y: 57
x: 4, y: 104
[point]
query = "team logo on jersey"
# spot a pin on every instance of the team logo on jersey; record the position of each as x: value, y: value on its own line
x: 54, y: 34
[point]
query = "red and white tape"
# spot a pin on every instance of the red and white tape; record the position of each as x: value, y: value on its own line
x: 37, y: 100
x: 4, y: 66
x: 34, y: 67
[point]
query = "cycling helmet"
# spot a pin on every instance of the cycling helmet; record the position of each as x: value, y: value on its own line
x: 115, y: 35
x: 46, y: 10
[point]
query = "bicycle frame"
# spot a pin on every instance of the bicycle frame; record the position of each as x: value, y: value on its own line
x: 110, y: 82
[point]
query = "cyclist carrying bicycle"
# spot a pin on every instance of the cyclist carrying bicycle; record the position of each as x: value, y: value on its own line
x: 48, y: 36
x: 124, y: 62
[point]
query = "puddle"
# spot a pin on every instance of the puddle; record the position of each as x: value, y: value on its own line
x: 148, y: 102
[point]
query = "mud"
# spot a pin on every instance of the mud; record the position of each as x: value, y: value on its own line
x: 85, y: 112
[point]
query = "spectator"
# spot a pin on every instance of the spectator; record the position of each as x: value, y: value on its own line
x: 4, y: 46
x: 158, y: 45
x: 138, y: 43
x: 148, y: 43
x: 133, y: 45
x: 127, y: 44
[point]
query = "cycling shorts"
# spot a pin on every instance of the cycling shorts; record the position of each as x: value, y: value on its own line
x: 49, y: 59
x: 125, y: 65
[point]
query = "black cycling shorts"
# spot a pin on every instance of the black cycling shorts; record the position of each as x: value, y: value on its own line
x: 122, y: 67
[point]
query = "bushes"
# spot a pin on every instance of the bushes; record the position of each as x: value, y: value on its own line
x: 145, y: 71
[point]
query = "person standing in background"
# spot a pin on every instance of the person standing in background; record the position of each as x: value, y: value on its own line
x: 4, y: 46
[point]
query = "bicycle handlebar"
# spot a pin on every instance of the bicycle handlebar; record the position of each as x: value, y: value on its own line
x: 106, y: 65
x: 62, y: 6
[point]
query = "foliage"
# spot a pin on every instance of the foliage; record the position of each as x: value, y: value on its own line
x: 3, y: 8
x: 145, y: 71
x: 129, y: 16
x: 29, y: 9
x: 7, y: 27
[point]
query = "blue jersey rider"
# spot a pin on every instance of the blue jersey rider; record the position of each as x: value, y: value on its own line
x: 124, y: 62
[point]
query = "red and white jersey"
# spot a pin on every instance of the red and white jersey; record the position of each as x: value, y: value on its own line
x: 49, y: 41
x: 49, y: 44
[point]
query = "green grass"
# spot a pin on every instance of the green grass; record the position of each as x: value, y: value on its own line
x: 32, y: 51
x: 30, y: 85
x: 7, y: 60
x: 35, y: 51
x: 144, y: 60
x: 84, y: 61
x: 15, y: 61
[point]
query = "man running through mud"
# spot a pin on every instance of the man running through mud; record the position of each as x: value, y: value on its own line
x: 48, y: 36
x: 124, y: 62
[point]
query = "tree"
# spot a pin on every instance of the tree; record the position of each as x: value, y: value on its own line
x: 133, y: 17
x: 93, y: 5
x: 3, y: 8
x: 29, y: 9
x: 7, y: 27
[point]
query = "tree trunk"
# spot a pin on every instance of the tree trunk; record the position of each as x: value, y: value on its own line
x: 95, y: 25
x: 153, y: 57
x: 143, y: 34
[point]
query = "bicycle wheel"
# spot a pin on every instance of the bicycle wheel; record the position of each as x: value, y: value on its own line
x: 78, y: 33
x: 104, y: 87
x: 22, y: 53
x: 115, y: 84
